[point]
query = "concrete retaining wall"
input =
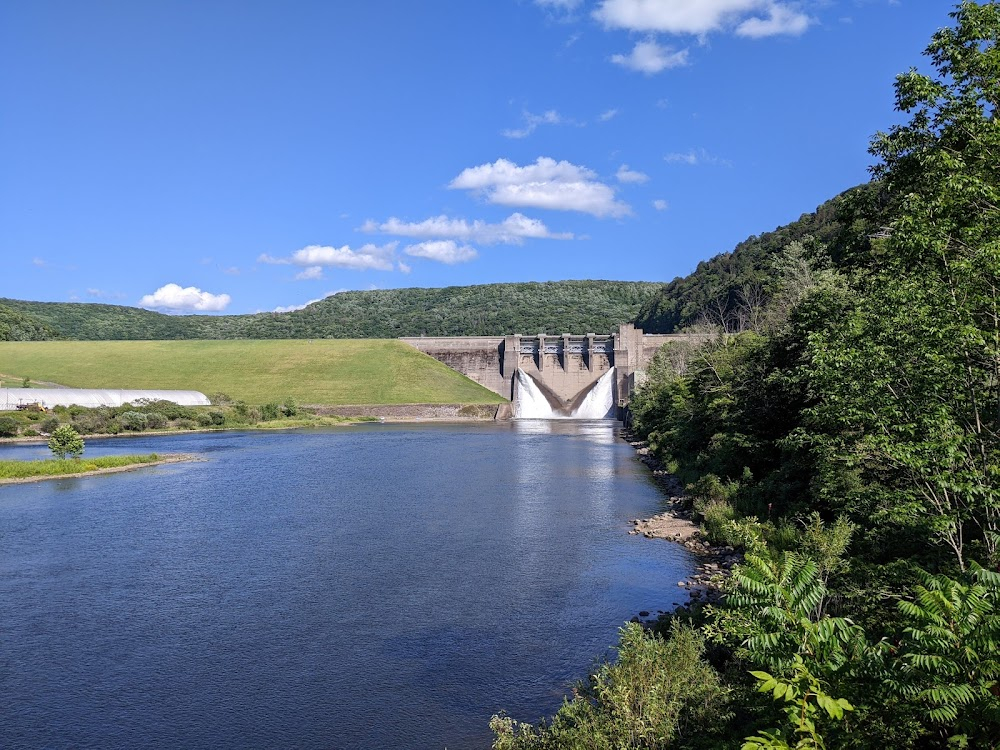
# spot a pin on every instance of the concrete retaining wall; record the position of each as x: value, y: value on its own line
x: 416, y: 411
x: 479, y: 358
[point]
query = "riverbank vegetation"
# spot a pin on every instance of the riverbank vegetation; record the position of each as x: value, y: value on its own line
x: 166, y: 416
x: 317, y: 371
x: 13, y: 470
x: 843, y: 431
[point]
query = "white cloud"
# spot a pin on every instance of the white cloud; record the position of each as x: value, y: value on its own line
x: 293, y: 308
x: 265, y: 258
x: 173, y: 297
x: 700, y: 17
x: 624, y: 174
x: 649, y: 57
x: 559, y: 186
x: 780, y: 20
x: 694, y: 157
x: 443, y: 251
x: 511, y: 231
x: 660, y: 205
x: 531, y: 123
x: 102, y: 294
x: 608, y: 114
x: 309, y: 274
x: 404, y: 267
x: 364, y: 258
x: 379, y: 258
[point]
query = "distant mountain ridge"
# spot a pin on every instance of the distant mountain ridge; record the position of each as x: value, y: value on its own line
x: 488, y: 309
x: 480, y: 310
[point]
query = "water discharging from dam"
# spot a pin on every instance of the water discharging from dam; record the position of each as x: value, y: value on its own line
x: 534, y: 401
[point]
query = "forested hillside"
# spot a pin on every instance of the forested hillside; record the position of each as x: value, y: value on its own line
x: 489, y: 309
x: 719, y: 288
x: 846, y: 440
x: 16, y: 326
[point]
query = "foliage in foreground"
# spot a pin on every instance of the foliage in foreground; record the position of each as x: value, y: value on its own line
x: 56, y: 467
x: 657, y: 690
x: 847, y: 438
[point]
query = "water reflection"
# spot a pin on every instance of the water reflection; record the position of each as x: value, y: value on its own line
x: 385, y: 586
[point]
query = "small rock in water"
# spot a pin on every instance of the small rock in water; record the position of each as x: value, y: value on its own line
x: 644, y: 613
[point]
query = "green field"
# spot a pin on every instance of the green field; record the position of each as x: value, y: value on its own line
x: 322, y: 371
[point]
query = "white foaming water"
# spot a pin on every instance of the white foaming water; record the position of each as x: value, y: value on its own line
x: 600, y: 402
x: 531, y: 403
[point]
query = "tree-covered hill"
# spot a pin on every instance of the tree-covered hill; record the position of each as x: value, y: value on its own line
x: 489, y: 309
x: 17, y: 326
x: 718, y: 286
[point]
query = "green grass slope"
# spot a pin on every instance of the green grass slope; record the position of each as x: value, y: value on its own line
x: 311, y: 372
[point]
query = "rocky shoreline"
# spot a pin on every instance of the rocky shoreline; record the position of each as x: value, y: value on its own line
x: 677, y: 524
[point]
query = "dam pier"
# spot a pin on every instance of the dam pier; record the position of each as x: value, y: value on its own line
x: 588, y: 376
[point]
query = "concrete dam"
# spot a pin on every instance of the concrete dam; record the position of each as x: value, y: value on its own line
x: 553, y: 376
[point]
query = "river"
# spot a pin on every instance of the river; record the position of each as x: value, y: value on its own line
x: 383, y: 586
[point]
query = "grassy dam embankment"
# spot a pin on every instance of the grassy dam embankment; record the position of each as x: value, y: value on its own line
x: 320, y: 371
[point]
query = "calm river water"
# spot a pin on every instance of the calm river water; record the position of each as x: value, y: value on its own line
x: 369, y: 587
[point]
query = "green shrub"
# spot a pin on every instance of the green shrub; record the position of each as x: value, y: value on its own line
x: 8, y: 427
x: 186, y: 424
x: 91, y: 422
x: 289, y: 408
x: 49, y: 424
x: 204, y: 419
x: 156, y: 420
x: 710, y: 489
x: 657, y: 690
x: 66, y: 441
x: 30, y: 433
x: 717, y: 516
x: 168, y: 409
x: 216, y: 417
x: 270, y: 410
x: 133, y: 420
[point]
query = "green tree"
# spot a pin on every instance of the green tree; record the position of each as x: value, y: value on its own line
x: 949, y: 660
x: 909, y: 382
x: 8, y: 427
x: 66, y: 441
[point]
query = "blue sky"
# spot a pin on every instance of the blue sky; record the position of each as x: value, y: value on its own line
x: 245, y: 156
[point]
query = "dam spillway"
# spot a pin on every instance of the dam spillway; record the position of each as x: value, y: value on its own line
x: 564, y: 368
x: 534, y: 400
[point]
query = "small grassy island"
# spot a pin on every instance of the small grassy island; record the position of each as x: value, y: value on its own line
x: 53, y: 468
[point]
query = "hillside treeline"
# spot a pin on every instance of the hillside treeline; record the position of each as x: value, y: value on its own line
x: 719, y: 290
x: 845, y: 436
x: 484, y: 310
x: 16, y: 326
